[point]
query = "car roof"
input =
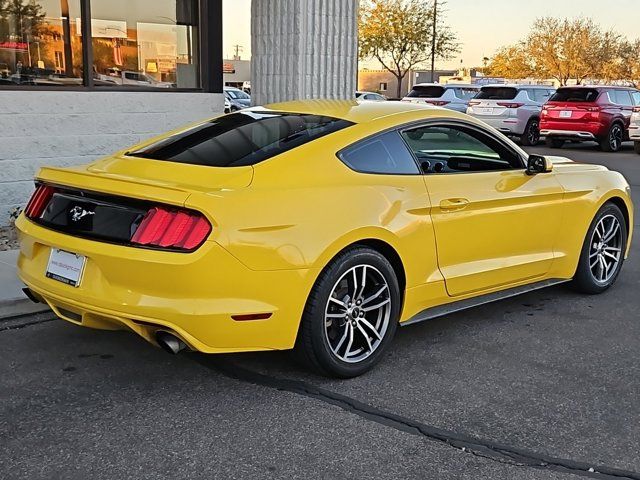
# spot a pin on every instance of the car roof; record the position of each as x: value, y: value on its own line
x: 447, y: 85
x: 353, y: 111
x: 518, y: 85
x: 599, y: 87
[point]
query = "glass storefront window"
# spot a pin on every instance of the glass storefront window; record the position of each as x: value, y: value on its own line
x: 39, y: 43
x: 139, y: 43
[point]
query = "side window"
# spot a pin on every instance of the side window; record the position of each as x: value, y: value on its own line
x: 636, y: 98
x: 623, y: 97
x: 466, y: 93
x: 386, y: 154
x: 453, y: 149
x: 541, y: 95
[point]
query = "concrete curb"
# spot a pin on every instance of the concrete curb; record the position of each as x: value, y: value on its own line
x: 13, y: 302
x: 18, y: 307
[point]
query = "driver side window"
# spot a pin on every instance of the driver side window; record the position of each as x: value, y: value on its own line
x: 453, y: 149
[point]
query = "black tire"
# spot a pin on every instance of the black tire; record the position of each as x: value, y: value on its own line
x: 585, y: 279
x: 612, y: 142
x: 636, y: 147
x: 313, y: 346
x: 234, y: 109
x: 531, y: 135
x: 552, y: 142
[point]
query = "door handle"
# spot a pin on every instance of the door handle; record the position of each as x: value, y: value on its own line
x: 451, y: 204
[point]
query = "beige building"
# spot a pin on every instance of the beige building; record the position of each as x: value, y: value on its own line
x: 384, y: 82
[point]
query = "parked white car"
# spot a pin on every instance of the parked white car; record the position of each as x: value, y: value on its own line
x: 513, y: 109
x: 634, y: 128
x: 131, y: 79
x: 453, y: 96
x: 371, y: 96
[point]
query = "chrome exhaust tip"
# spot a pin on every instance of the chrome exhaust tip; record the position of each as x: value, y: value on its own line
x: 169, y: 342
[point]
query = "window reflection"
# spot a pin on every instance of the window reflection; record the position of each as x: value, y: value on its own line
x: 137, y: 43
x: 39, y: 44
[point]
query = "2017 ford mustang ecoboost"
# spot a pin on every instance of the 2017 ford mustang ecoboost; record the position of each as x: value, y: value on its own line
x: 318, y: 226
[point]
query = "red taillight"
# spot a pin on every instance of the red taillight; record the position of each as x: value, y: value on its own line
x: 39, y: 201
x: 510, y: 104
x: 438, y: 103
x: 164, y: 228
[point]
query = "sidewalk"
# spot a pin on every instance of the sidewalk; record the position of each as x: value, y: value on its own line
x: 12, y: 301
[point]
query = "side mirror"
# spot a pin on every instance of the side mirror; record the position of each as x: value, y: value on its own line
x: 538, y: 164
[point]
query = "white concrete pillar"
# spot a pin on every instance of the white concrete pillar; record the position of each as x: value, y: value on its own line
x: 303, y: 49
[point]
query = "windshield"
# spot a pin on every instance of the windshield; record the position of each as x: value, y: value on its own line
x: 237, y: 95
x: 497, y: 93
x: 426, y: 91
x: 241, y: 139
x: 575, y: 95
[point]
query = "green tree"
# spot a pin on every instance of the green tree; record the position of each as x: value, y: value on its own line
x: 399, y: 34
x: 22, y: 17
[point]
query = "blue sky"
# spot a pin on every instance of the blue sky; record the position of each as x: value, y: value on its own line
x: 482, y: 25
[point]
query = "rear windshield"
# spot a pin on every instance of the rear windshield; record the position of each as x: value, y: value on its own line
x: 426, y: 91
x: 498, y: 93
x: 575, y: 95
x: 241, y: 139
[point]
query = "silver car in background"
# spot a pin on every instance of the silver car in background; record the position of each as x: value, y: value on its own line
x: 512, y: 109
x: 453, y: 96
x: 236, y: 98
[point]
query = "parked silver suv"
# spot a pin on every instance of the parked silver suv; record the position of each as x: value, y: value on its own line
x: 512, y: 109
x: 634, y: 127
x: 452, y: 96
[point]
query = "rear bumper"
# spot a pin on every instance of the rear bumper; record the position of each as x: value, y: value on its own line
x: 191, y: 295
x: 634, y: 133
x: 572, y: 130
x: 578, y: 135
x: 506, y: 125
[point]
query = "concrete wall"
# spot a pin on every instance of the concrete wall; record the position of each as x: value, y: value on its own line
x: 69, y: 128
x: 303, y: 49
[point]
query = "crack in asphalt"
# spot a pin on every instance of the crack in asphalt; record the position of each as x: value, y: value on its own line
x: 480, y: 447
x: 20, y: 321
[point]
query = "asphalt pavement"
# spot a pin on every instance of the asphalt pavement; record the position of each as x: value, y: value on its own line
x: 541, y: 386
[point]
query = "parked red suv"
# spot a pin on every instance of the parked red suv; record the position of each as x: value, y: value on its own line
x: 600, y: 114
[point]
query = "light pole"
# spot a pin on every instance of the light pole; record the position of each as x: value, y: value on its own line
x: 433, y: 41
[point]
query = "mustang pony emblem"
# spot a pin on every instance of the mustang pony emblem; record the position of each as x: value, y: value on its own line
x: 78, y: 213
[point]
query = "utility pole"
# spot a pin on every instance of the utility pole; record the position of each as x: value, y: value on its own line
x: 433, y: 41
x: 237, y: 49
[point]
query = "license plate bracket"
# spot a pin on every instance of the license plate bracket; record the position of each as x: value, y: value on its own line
x: 65, y: 267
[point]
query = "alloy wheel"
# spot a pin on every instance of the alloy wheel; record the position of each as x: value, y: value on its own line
x: 615, y: 138
x: 533, y: 134
x: 357, y: 313
x: 605, y: 252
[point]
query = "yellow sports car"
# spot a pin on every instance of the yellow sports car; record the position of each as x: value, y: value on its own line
x: 318, y: 226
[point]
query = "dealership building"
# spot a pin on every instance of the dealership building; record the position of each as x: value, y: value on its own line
x: 80, y: 79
